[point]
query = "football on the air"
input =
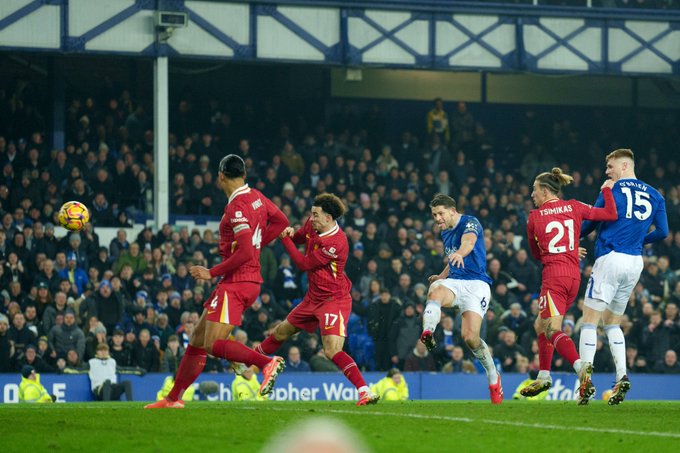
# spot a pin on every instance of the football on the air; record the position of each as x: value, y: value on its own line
x: 73, y: 215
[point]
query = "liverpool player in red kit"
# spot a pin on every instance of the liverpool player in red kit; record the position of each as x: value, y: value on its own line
x: 553, y: 231
x: 250, y: 221
x: 327, y: 304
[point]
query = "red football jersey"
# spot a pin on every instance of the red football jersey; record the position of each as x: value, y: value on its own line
x: 554, y: 230
x: 247, y: 209
x: 324, y: 261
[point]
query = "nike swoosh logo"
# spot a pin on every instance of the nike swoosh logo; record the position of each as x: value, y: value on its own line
x: 587, y: 344
x: 328, y: 327
x: 210, y: 312
x: 618, y: 342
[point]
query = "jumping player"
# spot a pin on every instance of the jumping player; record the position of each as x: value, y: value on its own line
x: 327, y: 304
x: 618, y: 261
x: 250, y: 221
x: 463, y: 282
x: 553, y: 230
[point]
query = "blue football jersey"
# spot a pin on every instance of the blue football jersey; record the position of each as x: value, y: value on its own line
x: 475, y: 261
x: 639, y: 206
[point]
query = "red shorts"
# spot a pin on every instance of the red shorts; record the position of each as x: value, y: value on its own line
x: 228, y: 301
x: 557, y: 295
x: 330, y: 317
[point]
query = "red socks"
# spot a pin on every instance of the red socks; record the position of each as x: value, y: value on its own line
x: 349, y: 368
x: 564, y: 346
x: 269, y: 346
x: 545, y: 353
x: 190, y: 367
x: 238, y: 352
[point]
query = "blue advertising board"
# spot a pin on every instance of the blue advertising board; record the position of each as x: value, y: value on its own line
x: 334, y: 386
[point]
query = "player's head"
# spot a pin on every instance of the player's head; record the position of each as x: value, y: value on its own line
x: 326, y: 209
x: 620, y: 164
x: 232, y: 167
x: 548, y: 184
x: 443, y: 210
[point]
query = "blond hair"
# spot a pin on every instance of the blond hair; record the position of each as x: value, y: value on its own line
x: 621, y: 153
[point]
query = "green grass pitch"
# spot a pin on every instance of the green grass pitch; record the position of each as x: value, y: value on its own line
x: 415, y: 426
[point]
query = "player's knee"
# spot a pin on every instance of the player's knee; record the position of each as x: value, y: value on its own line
x: 330, y: 353
x: 471, y: 339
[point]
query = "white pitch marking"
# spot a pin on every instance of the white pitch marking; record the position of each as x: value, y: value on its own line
x: 491, y: 422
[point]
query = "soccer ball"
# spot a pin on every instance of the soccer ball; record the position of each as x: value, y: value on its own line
x: 606, y: 395
x: 73, y: 215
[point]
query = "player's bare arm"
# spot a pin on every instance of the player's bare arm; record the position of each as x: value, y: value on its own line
x: 200, y: 273
x: 440, y: 276
x: 467, y: 244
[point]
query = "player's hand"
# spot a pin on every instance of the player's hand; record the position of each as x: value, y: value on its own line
x: 200, y: 273
x: 433, y: 278
x: 288, y: 231
x: 582, y: 253
x: 607, y: 184
x: 456, y: 260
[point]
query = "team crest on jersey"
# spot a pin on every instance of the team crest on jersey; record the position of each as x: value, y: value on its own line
x: 316, y: 246
x: 470, y: 226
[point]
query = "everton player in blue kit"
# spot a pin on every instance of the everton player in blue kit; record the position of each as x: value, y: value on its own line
x: 618, y: 261
x: 464, y: 283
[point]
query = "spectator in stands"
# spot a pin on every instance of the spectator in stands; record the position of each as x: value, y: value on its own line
x: 408, y: 332
x: 6, y: 346
x: 294, y: 363
x: 76, y: 275
x: 67, y: 336
x: 145, y: 353
x: 508, y: 351
x: 120, y: 350
x: 669, y: 364
x: 655, y: 338
x: 420, y: 359
x: 438, y: 122
x: 172, y: 356
x: 20, y: 335
x: 383, y: 317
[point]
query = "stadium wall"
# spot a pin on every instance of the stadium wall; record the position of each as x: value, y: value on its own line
x: 334, y: 386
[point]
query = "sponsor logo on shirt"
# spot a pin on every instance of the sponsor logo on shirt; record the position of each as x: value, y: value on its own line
x: 257, y: 204
x: 330, y: 252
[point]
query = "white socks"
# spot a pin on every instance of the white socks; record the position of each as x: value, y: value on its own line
x: 484, y: 356
x: 617, y: 344
x: 432, y: 315
x: 544, y: 375
x: 588, y: 342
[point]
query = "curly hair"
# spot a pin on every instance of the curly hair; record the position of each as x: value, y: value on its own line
x: 330, y: 204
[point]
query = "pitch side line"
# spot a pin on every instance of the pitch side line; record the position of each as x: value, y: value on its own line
x: 491, y: 422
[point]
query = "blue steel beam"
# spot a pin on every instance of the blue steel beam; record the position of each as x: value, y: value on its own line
x: 473, y: 38
x: 79, y: 42
x: 21, y: 13
x: 390, y: 35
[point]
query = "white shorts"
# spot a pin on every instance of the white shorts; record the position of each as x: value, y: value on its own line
x: 469, y: 295
x: 612, y: 281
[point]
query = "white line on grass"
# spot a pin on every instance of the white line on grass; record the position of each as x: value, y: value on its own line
x: 491, y: 422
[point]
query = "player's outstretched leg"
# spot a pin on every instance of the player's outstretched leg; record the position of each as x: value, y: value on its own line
x: 431, y: 317
x: 349, y: 368
x: 586, y: 389
x: 190, y: 367
x: 619, y: 391
x: 483, y: 354
x: 237, y: 352
x: 543, y: 381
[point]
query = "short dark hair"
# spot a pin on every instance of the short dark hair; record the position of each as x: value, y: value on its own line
x: 330, y: 204
x: 443, y: 200
x: 232, y: 166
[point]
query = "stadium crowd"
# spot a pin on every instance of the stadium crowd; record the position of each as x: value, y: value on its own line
x: 64, y: 294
